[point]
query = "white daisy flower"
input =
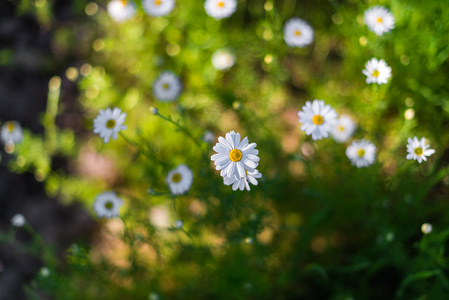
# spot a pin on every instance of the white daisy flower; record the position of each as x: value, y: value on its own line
x: 242, y: 183
x: 377, y: 71
x: 158, y: 8
x: 107, y: 205
x: 121, y: 10
x: 418, y: 150
x: 298, y: 33
x: 167, y: 87
x: 220, y: 9
x: 223, y: 60
x: 11, y: 132
x: 18, y: 220
x: 208, y: 136
x: 379, y: 19
x: 344, y: 129
x: 108, y: 123
x: 235, y: 157
x: 179, y: 179
x: 317, y: 119
x: 361, y: 153
x: 426, y: 228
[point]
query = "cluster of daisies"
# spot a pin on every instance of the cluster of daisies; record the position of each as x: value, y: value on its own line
x: 122, y: 10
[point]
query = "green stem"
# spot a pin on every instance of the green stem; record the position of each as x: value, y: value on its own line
x: 183, y: 129
x: 148, y: 153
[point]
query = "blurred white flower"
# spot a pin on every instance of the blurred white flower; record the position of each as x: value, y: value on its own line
x: 418, y: 150
x: 167, y: 87
x: 179, y: 224
x: 235, y: 157
x: 18, y: 220
x: 377, y: 71
x: 208, y: 136
x: 223, y: 60
x: 426, y: 228
x: 121, y: 10
x: 179, y: 179
x: 242, y: 183
x: 219, y: 9
x: 361, y: 153
x: 107, y: 205
x: 298, y: 33
x: 158, y: 8
x: 11, y: 132
x: 344, y: 129
x: 108, y: 123
x: 318, y: 119
x: 160, y: 216
x: 44, y: 272
x: 379, y: 20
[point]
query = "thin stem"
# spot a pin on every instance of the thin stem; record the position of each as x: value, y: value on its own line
x: 181, y: 128
x: 149, y: 153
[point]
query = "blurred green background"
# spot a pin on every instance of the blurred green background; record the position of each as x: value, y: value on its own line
x: 315, y: 227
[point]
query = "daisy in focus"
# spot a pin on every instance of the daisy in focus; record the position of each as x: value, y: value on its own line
x: 234, y: 157
x: 158, y: 8
x: 223, y: 60
x: 318, y: 119
x: 219, y: 9
x: 179, y: 180
x: 121, y: 10
x: 167, y: 87
x: 11, y: 132
x: 242, y: 183
x: 107, y: 205
x: 418, y: 150
x: 379, y: 20
x: 344, y: 129
x: 18, y: 220
x: 298, y: 33
x: 361, y: 153
x: 377, y: 71
x: 108, y: 123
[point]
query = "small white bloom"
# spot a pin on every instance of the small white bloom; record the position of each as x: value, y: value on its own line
x: 220, y: 9
x: 418, y: 150
x: 18, y: 220
x: 242, y: 183
x: 107, y: 205
x: 361, y: 153
x: 167, y: 87
x: 108, y: 123
x: 223, y: 60
x: 379, y: 19
x: 11, y: 132
x: 344, y: 129
x: 44, y: 272
x: 235, y: 157
x: 298, y: 33
x: 426, y: 228
x: 377, y: 71
x: 179, y: 179
x: 158, y: 8
x: 318, y: 119
x: 160, y: 216
x: 208, y: 136
x: 121, y: 10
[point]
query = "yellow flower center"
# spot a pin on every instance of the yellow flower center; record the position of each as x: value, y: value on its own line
x: 361, y: 152
x: 317, y: 120
x: 418, y: 151
x: 341, y: 128
x: 110, y: 124
x: 124, y: 2
x: 176, y: 178
x: 376, y: 73
x: 157, y: 2
x: 108, y: 205
x: 235, y: 155
x: 297, y: 32
x: 379, y: 20
x: 165, y: 86
x: 10, y: 126
x: 220, y: 4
